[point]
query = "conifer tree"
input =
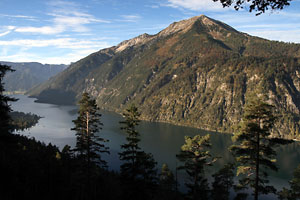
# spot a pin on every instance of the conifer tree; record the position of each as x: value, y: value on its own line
x: 4, y: 106
x: 138, y: 169
x: 195, y: 156
x: 89, y: 145
x: 255, y: 151
x: 223, y: 182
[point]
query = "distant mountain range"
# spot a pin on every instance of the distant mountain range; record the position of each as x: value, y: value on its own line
x: 197, y: 72
x: 29, y: 74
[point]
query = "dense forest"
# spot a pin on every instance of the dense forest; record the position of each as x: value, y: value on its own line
x: 30, y: 169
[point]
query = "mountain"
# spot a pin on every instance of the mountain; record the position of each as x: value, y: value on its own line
x: 28, y: 74
x: 197, y: 72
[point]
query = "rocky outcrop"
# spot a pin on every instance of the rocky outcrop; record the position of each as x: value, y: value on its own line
x: 197, y: 72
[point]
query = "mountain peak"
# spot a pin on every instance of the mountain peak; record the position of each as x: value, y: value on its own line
x: 181, y: 26
x: 185, y: 25
x: 141, y: 39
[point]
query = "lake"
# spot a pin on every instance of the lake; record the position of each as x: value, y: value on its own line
x: 161, y: 139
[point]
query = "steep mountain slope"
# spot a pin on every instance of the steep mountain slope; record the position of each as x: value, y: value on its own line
x: 29, y: 74
x: 197, y: 72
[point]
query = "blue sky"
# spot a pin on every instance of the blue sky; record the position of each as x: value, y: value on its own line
x: 64, y: 31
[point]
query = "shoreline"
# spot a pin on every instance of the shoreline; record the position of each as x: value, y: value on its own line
x: 147, y: 120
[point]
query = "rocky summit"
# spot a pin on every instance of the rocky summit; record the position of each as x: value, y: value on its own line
x: 197, y: 72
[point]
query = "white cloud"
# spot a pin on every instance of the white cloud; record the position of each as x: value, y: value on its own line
x: 24, y: 56
x: 6, y: 30
x: 130, y: 18
x: 5, y: 33
x: 66, y: 16
x: 19, y: 16
x: 196, y: 5
x: 47, y: 30
x: 26, y: 53
x: 67, y: 43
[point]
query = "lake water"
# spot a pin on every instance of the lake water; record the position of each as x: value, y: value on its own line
x: 162, y: 140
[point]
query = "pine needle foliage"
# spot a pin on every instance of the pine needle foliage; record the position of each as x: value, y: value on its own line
x: 255, y: 149
x: 89, y: 144
x: 195, y: 156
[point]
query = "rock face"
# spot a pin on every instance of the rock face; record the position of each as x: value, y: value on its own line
x: 29, y: 74
x: 197, y: 72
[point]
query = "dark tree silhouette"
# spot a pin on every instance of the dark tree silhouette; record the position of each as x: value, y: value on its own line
x: 167, y: 179
x: 260, y: 6
x: 223, y: 182
x: 5, y: 109
x: 138, y: 171
x: 89, y: 145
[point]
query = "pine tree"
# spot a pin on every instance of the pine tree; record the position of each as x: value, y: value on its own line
x: 256, y: 151
x: 89, y: 145
x: 195, y: 156
x: 223, y: 182
x: 138, y: 171
x: 5, y: 119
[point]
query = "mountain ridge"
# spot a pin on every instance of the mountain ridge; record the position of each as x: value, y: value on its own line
x: 197, y: 72
x: 29, y: 74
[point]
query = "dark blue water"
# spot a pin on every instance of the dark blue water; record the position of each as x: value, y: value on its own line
x: 162, y: 140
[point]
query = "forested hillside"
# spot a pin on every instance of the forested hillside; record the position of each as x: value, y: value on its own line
x: 197, y: 72
x: 28, y: 74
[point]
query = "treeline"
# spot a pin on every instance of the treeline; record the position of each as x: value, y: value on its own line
x: 22, y: 121
x: 32, y: 170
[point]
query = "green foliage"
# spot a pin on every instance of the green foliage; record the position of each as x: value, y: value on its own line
x: 87, y: 125
x: 255, y: 151
x: 89, y: 145
x: 195, y: 156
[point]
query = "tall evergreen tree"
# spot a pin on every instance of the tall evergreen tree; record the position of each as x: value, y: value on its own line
x: 89, y: 145
x: 255, y: 151
x: 223, y: 182
x: 138, y: 169
x: 4, y: 106
x: 195, y: 156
